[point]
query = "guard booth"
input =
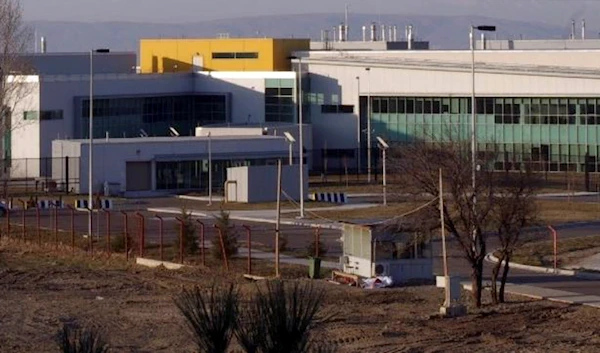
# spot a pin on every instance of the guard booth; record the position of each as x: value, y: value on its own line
x: 372, y: 250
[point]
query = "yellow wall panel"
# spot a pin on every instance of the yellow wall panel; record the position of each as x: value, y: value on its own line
x: 177, y: 55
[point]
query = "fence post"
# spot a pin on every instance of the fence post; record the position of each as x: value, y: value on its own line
x: 555, y: 246
x: 107, y: 229
x: 55, y: 223
x: 142, y: 232
x: 8, y: 221
x: 160, y: 236
x: 126, y: 235
x: 226, y: 262
x: 39, y: 230
x: 181, y: 225
x: 90, y: 236
x: 201, y: 241
x: 72, y: 209
x: 23, y: 206
x: 249, y: 240
x: 317, y: 239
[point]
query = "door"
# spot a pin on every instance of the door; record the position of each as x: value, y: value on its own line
x: 138, y: 176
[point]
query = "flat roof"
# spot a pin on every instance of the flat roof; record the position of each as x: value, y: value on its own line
x: 169, y: 139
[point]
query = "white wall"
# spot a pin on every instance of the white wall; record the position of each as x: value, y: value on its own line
x: 25, y: 133
x: 110, y: 157
x: 259, y: 183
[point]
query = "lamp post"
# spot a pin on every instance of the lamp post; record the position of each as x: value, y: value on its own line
x: 368, y: 69
x: 91, y: 139
x: 474, y: 114
x: 300, y: 132
x: 383, y: 146
x: 290, y: 139
x: 209, y: 169
x: 358, y: 124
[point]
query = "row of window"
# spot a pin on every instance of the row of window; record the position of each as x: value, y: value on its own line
x: 279, y: 104
x: 235, y: 55
x: 336, y: 108
x: 43, y: 115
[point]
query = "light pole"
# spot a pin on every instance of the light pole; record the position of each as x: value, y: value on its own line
x: 209, y: 169
x: 358, y: 124
x: 368, y: 69
x: 290, y: 139
x: 383, y: 146
x: 473, y: 116
x: 300, y: 133
x: 91, y: 139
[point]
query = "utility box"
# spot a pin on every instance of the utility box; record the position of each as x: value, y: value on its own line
x: 259, y: 183
x: 379, y: 250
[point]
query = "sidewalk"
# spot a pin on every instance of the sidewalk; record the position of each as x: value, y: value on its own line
x: 554, y: 295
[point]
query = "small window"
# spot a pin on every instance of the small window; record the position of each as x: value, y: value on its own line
x: 223, y: 55
x: 51, y: 115
x: 31, y: 115
x: 248, y: 55
x: 346, y: 109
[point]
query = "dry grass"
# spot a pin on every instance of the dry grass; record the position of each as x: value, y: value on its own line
x: 568, y: 251
x: 556, y: 212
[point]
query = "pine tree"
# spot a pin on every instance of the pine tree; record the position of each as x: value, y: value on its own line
x: 223, y: 222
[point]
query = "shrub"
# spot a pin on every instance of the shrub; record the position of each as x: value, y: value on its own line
x: 117, y: 243
x: 74, y: 340
x: 279, y: 319
x: 210, y: 315
x: 223, y: 222
x: 190, y: 244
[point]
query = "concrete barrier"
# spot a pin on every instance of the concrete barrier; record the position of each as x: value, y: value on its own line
x: 156, y: 263
x: 333, y: 197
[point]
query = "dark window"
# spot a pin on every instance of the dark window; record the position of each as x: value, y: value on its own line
x: 401, y: 105
x: 238, y: 55
x: 427, y: 109
x: 436, y: 107
x: 410, y: 106
x: 383, y: 108
x: 419, y: 106
x: 248, y: 55
x: 480, y: 105
x: 346, y: 109
x: 223, y: 55
x: 51, y: 115
x: 393, y: 105
x: 489, y: 105
x: 375, y: 108
x: 334, y: 109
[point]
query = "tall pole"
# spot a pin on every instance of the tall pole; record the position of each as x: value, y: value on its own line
x: 383, y: 150
x: 368, y: 124
x: 278, y: 220
x: 358, y: 123
x: 91, y: 145
x: 209, y: 169
x: 473, y: 136
x: 444, y: 254
x: 301, y: 136
x: 291, y: 154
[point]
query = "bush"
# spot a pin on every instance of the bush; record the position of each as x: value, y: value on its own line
x: 74, y: 340
x: 230, y: 242
x: 190, y: 244
x: 280, y: 318
x: 211, y: 316
x: 117, y: 243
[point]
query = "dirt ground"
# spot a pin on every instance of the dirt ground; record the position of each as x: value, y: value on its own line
x: 133, y: 306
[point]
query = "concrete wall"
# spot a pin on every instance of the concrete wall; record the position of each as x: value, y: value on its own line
x: 259, y: 183
x: 25, y: 134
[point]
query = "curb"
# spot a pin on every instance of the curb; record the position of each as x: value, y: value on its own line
x: 559, y: 271
x: 156, y: 263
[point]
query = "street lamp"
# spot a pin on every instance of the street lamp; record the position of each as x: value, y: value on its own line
x: 358, y: 124
x: 209, y: 169
x: 300, y: 133
x: 383, y: 146
x: 368, y: 69
x: 473, y: 113
x: 290, y: 139
x: 91, y: 138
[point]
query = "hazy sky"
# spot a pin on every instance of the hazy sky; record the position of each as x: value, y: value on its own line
x: 548, y: 11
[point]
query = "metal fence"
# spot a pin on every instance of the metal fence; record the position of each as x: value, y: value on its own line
x: 42, y: 174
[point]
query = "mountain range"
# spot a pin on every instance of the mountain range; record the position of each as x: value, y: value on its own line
x: 443, y: 32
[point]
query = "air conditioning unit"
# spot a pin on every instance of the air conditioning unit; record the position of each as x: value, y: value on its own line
x: 381, y: 269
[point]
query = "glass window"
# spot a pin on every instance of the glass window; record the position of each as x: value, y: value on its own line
x: 31, y: 115
x: 223, y: 55
x: 401, y: 105
x: 246, y: 55
x: 437, y: 109
x: 376, y: 106
x: 410, y: 106
x: 383, y: 105
x: 427, y: 106
x: 419, y: 106
x: 393, y: 105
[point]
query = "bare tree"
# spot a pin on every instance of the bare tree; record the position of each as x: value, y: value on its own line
x: 14, y: 66
x: 515, y: 211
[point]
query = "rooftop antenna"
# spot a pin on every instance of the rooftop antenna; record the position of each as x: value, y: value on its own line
x: 583, y: 29
x: 572, y: 29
